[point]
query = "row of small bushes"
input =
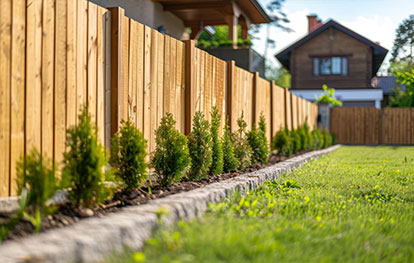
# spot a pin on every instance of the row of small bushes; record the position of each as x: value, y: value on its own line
x: 287, y: 142
x: 196, y: 156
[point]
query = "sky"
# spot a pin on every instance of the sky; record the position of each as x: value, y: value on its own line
x: 376, y: 20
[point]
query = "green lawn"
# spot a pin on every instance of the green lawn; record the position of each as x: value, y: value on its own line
x: 354, y: 205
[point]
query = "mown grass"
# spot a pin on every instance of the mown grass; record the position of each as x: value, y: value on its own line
x: 354, y: 205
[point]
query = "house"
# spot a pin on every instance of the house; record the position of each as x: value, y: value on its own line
x: 334, y: 55
x: 175, y: 17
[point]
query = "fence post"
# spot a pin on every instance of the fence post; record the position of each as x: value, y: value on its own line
x: 189, y: 83
x: 254, y: 99
x: 286, y: 108
x: 272, y: 86
x: 380, y: 140
x: 229, y: 91
x: 117, y: 84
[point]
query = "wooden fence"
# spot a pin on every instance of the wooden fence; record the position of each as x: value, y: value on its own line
x: 373, y: 126
x: 58, y: 55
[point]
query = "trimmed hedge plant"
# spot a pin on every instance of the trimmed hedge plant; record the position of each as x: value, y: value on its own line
x: 171, y: 156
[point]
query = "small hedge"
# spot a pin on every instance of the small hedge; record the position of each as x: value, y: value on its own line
x: 287, y: 142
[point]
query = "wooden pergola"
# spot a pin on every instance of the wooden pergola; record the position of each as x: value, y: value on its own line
x: 199, y: 14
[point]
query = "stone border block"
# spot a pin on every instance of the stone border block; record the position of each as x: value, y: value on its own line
x: 93, y: 239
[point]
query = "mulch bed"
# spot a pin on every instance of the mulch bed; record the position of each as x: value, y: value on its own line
x: 67, y: 214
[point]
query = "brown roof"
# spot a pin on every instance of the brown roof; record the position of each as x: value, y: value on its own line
x: 211, y: 12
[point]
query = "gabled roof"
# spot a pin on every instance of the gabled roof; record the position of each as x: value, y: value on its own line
x: 378, y: 51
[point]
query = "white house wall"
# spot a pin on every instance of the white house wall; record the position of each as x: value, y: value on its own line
x: 148, y: 13
x: 345, y: 95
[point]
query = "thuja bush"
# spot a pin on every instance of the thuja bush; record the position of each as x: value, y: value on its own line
x: 327, y: 139
x: 317, y: 139
x: 303, y: 138
x: 84, y: 163
x: 242, y: 149
x: 36, y: 175
x: 128, y: 152
x: 170, y: 157
x: 258, y: 142
x: 230, y: 161
x: 282, y: 142
x: 308, y: 135
x: 200, y: 147
x: 295, y: 139
x: 217, y: 148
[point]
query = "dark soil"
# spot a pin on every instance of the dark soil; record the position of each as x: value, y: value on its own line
x: 67, y: 214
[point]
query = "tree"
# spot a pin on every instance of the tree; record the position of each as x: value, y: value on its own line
x: 400, y: 98
x: 403, y: 48
x: 280, y: 75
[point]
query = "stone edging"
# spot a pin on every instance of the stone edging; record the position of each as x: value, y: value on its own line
x: 92, y: 239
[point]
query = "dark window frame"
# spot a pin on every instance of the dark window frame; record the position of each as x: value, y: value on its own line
x: 320, y: 57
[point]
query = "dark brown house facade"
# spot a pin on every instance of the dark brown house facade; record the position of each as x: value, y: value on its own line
x: 334, y: 55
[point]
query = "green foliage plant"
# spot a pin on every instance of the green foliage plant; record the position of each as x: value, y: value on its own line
x: 258, y: 142
x: 128, y: 152
x: 242, y: 149
x: 84, y: 163
x: 230, y: 161
x: 317, y: 139
x: 295, y: 139
x: 200, y: 147
x: 304, y: 140
x: 217, y: 148
x: 282, y: 142
x: 328, y: 97
x: 171, y: 156
x: 308, y: 135
x: 36, y: 174
x: 327, y: 139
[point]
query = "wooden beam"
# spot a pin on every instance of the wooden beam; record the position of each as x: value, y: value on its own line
x: 195, y: 5
x: 196, y: 31
x: 232, y: 22
x: 189, y: 84
x: 117, y: 15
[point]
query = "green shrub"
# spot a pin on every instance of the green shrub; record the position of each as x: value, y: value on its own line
x: 303, y: 138
x: 200, y: 147
x: 295, y: 140
x: 128, y: 152
x: 84, y: 163
x: 308, y: 135
x: 258, y: 142
x: 317, y: 138
x: 230, y: 162
x: 217, y: 164
x: 327, y: 139
x: 171, y: 157
x: 282, y: 142
x: 242, y: 149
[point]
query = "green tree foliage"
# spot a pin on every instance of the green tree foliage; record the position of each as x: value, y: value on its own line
x: 282, y: 142
x: 230, y: 161
x: 308, y: 135
x: 84, y: 163
x: 36, y: 175
x: 220, y: 38
x: 128, y: 152
x: 171, y: 156
x: 280, y: 75
x: 200, y: 147
x: 241, y: 145
x: 403, y: 49
x: 400, y: 98
x: 258, y: 142
x: 328, y: 96
x: 217, y: 164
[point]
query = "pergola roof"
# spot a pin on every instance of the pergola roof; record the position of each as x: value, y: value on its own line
x: 213, y: 12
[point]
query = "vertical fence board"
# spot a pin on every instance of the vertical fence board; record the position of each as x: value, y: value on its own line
x: 60, y: 80
x: 5, y: 59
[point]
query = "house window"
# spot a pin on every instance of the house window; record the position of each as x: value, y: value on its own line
x: 326, y: 66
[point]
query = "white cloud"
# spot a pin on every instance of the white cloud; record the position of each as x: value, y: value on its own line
x: 375, y: 28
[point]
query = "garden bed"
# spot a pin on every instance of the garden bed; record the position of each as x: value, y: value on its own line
x: 68, y: 215
x: 92, y: 238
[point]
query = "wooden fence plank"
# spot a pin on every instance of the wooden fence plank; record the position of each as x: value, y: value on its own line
x: 100, y: 75
x: 5, y: 59
x: 160, y: 79
x: 180, y: 89
x: 140, y: 75
x: 91, y: 56
x: 48, y: 48
x: 71, y: 63
x: 60, y: 80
